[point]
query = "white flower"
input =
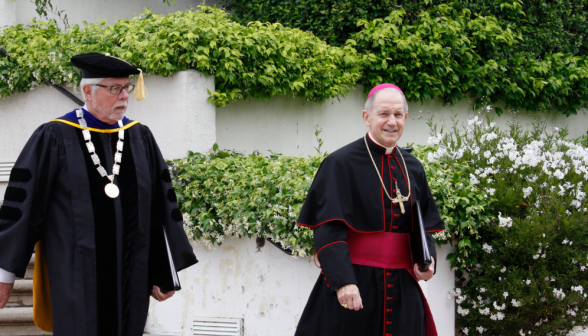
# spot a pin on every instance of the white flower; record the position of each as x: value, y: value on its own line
x: 558, y: 293
x: 558, y: 173
x: 504, y: 222
x: 528, y: 282
x: 516, y: 303
x: 480, y: 329
x: 435, y: 140
x: 485, y: 311
x: 578, y: 289
x: 487, y: 248
x: 473, y: 179
x: 503, y: 269
x: 527, y: 191
x: 465, y: 330
x: 497, y: 307
x: 462, y: 312
x: 487, y: 154
x: 499, y: 316
x: 490, y: 191
x: 565, y: 241
x: 505, y: 294
x: 482, y: 290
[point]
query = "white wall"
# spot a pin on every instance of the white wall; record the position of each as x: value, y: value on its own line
x: 267, y: 289
x: 286, y: 125
x: 176, y: 111
x: 109, y: 10
x: 7, y: 13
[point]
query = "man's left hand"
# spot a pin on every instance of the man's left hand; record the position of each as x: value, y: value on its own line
x: 159, y: 296
x: 425, y: 275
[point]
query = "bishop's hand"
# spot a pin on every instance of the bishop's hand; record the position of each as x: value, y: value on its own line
x: 428, y: 275
x: 160, y: 296
x: 5, y: 291
x: 349, y: 297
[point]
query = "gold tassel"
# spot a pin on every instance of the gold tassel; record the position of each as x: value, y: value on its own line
x: 140, y: 90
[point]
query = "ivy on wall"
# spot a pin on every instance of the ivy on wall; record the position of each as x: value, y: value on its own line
x: 258, y: 60
x: 443, y: 52
x: 440, y: 55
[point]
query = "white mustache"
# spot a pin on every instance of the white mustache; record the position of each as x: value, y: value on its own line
x: 121, y: 104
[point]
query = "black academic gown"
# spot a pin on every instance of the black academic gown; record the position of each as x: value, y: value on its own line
x: 346, y: 194
x: 96, y: 248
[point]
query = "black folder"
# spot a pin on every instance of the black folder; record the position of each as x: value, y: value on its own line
x: 418, y: 243
x: 162, y: 272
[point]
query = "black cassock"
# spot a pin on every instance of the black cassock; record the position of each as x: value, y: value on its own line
x: 347, y: 196
x: 96, y: 248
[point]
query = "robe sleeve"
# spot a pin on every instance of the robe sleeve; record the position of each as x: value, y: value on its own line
x: 164, y: 206
x: 330, y: 242
x: 28, y: 198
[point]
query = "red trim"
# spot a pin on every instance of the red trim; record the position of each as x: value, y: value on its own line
x: 391, y: 203
x: 433, y: 231
x: 383, y: 201
x: 337, y: 242
x: 384, y: 303
x: 405, y: 181
x: 336, y: 219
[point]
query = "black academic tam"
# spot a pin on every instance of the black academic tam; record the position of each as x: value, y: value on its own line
x: 97, y: 248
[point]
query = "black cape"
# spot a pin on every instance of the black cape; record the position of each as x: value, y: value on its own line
x: 346, y: 194
x: 96, y: 248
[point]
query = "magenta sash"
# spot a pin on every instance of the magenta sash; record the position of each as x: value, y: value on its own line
x: 387, y: 250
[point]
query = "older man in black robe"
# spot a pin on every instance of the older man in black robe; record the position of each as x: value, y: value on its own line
x: 94, y: 189
x: 361, y: 207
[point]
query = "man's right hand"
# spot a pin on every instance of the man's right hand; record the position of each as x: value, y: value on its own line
x: 5, y: 291
x: 349, y: 295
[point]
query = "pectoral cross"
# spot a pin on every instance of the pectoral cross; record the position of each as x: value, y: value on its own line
x: 399, y: 198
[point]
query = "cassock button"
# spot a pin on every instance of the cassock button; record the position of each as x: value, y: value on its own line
x: 390, y: 286
x: 389, y: 298
x: 325, y: 279
x: 388, y: 322
x: 388, y: 310
x: 396, y: 215
x: 328, y: 285
x: 323, y: 273
x: 388, y: 274
x: 388, y: 334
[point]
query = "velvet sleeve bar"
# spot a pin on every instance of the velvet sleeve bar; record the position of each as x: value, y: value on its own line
x: 330, y: 243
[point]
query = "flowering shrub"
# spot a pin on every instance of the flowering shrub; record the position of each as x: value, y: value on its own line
x: 526, y: 271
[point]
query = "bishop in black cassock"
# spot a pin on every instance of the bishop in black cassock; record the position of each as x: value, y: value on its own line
x: 95, y: 252
x: 368, y: 284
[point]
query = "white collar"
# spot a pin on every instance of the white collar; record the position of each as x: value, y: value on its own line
x: 388, y: 149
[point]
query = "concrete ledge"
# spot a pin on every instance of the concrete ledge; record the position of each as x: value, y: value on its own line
x: 23, y: 287
x: 16, y: 316
x: 22, y: 330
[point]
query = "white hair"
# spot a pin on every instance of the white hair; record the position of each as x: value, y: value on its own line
x: 370, y: 102
x: 89, y: 81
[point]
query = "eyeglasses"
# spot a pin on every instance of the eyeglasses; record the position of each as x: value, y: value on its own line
x: 116, y: 90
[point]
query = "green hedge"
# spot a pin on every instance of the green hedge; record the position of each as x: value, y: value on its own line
x: 259, y: 60
x: 546, y: 26
x: 513, y: 201
x: 441, y: 55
